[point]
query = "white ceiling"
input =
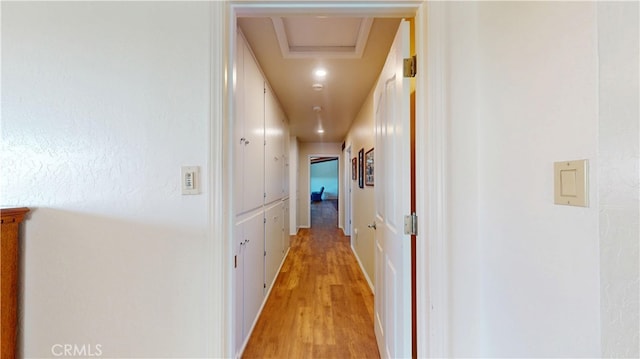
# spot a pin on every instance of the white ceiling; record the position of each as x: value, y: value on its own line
x: 351, y: 49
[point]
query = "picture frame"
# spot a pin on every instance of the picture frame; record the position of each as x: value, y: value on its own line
x: 361, y: 168
x: 368, y: 172
x: 354, y: 169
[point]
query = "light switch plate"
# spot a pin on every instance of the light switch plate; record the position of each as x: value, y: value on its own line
x: 571, y: 183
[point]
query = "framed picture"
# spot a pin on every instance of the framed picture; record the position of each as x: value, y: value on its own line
x: 361, y: 168
x: 368, y: 172
x: 354, y: 169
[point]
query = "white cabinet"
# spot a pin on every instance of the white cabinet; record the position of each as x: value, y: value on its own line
x: 285, y: 227
x: 249, y: 131
x: 274, y: 148
x: 260, y: 182
x: 249, y: 243
x: 286, y: 161
x: 273, y: 242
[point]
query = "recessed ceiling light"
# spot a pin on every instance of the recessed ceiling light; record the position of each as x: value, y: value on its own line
x: 320, y: 73
x: 317, y: 87
x: 320, y: 131
x: 317, y: 108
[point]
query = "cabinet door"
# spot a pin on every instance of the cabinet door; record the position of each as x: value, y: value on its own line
x: 253, y: 162
x: 285, y: 226
x: 273, y: 242
x: 238, y: 245
x: 253, y: 269
x: 274, y: 148
x: 239, y: 128
x: 286, y: 159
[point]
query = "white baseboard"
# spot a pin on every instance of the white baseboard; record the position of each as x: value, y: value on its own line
x: 364, y: 272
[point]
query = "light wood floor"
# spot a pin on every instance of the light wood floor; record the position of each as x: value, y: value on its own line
x: 321, y: 305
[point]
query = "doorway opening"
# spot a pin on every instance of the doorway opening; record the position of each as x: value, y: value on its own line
x: 387, y: 9
x: 324, y: 188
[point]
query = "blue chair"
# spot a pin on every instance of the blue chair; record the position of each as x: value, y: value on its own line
x: 317, y: 196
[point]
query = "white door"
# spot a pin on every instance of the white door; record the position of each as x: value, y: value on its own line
x: 393, y: 202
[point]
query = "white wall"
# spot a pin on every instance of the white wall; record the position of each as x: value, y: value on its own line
x: 361, y: 136
x: 618, y: 192
x: 465, y: 298
x: 101, y: 105
x: 524, y: 90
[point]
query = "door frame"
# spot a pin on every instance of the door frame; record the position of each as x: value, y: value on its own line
x: 347, y: 196
x: 309, y: 189
x: 431, y: 159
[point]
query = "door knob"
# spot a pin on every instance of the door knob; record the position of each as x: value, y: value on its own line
x: 372, y: 225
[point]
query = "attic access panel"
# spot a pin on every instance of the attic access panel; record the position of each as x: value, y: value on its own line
x: 318, y: 36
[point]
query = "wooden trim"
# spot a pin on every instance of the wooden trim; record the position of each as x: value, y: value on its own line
x: 12, y: 215
x: 323, y: 159
x: 10, y: 274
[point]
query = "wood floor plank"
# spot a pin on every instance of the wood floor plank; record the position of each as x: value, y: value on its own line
x: 321, y: 305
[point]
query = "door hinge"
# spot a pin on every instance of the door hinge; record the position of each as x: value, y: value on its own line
x: 265, y: 253
x: 411, y: 224
x: 409, y: 66
x: 264, y: 285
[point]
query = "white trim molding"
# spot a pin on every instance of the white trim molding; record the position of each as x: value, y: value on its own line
x: 431, y: 154
x: 431, y: 181
x: 221, y: 185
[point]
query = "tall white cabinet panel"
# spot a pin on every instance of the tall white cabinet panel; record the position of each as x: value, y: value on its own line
x: 253, y: 269
x: 238, y: 128
x: 285, y: 159
x: 252, y: 138
x: 273, y: 242
x: 274, y: 148
x: 285, y: 225
x: 261, y: 181
x: 238, y: 246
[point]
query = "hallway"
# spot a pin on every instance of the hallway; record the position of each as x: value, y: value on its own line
x: 321, y: 305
